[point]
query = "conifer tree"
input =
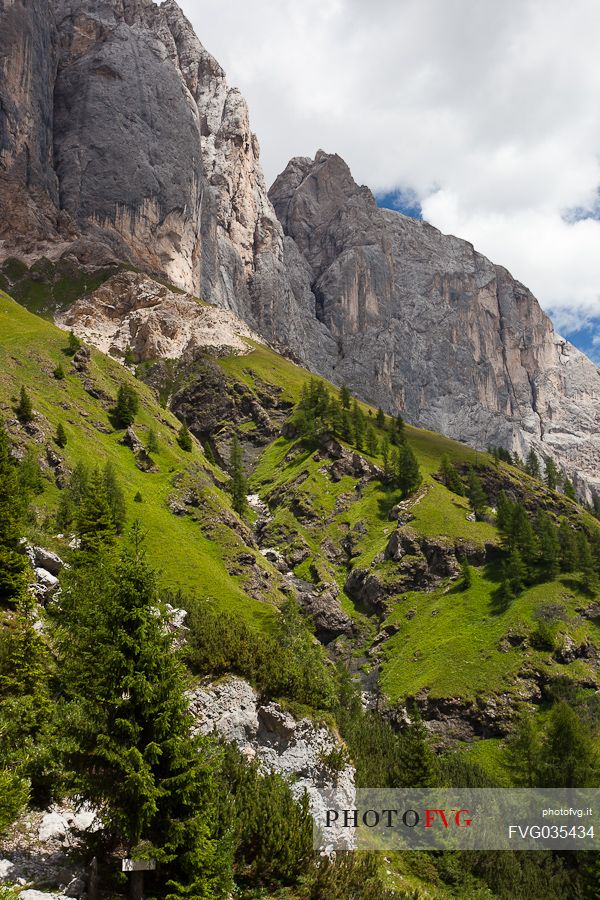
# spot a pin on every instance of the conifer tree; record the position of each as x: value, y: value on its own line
x: 515, y: 572
x: 549, y: 547
x: 524, y: 752
x: 400, y: 429
x: 380, y: 418
x: 371, y: 442
x: 589, y: 579
x: 476, y: 494
x: 24, y: 407
x: 115, y: 497
x: 127, y: 406
x: 467, y: 575
x: 184, y: 439
x: 450, y: 477
x: 346, y: 425
x: 532, y: 464
x: 73, y: 344
x: 569, y: 754
x: 95, y: 524
x: 522, y: 535
x: 552, y: 474
x: 152, y: 445
x: 13, y: 564
x: 61, y: 435
x: 238, y: 484
x: 385, y: 453
x: 504, y: 514
x: 128, y: 726
x: 358, y: 426
x: 569, y: 554
x: 59, y: 372
x: 345, y: 396
x: 568, y: 489
x: 409, y: 473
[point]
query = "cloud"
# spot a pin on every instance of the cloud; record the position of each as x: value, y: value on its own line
x: 487, y: 112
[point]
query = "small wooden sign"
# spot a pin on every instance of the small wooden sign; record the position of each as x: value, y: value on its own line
x: 138, y: 865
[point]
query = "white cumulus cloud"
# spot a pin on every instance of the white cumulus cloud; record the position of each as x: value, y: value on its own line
x: 488, y: 111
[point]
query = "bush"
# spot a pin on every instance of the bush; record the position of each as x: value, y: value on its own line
x: 544, y: 637
x: 126, y: 407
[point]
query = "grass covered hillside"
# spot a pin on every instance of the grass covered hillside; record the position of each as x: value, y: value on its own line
x: 194, y: 535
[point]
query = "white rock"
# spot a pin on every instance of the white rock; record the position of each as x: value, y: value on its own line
x: 54, y: 826
x: 6, y: 867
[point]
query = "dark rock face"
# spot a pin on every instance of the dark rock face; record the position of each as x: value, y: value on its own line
x: 426, y: 326
x: 28, y: 60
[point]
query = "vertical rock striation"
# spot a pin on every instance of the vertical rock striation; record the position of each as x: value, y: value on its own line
x: 426, y: 326
x: 28, y: 59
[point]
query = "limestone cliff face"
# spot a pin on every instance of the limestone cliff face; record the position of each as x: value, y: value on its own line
x: 426, y: 326
x: 120, y: 139
x: 28, y: 60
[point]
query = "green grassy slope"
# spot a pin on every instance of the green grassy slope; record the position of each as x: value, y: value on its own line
x: 30, y: 349
x: 452, y: 643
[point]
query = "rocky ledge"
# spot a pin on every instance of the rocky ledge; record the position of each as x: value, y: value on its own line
x: 297, y: 749
x: 131, y: 313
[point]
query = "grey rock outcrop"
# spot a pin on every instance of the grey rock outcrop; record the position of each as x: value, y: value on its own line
x: 426, y: 326
x: 28, y: 61
x: 296, y: 749
x: 132, y: 312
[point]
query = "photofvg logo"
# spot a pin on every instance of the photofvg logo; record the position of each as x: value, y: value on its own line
x: 391, y: 818
x: 464, y: 819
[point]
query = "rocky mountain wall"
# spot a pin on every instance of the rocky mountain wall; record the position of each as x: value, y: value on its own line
x: 426, y: 326
x: 121, y: 140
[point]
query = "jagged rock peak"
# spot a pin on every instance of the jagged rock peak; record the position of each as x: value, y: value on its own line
x: 425, y: 325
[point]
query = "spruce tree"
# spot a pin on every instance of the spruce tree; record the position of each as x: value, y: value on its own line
x: 358, y: 426
x: 476, y: 494
x: 515, y: 572
x: 73, y: 344
x: 95, y: 524
x: 569, y: 554
x: 504, y: 514
x: 569, y: 753
x: 126, y: 407
x: 24, y: 408
x: 549, y: 547
x: 552, y: 474
x: 184, y: 439
x: 345, y: 396
x: 522, y: 536
x: 380, y: 418
x: 238, y: 485
x: 450, y: 477
x: 152, y: 445
x: 13, y: 563
x: 532, y: 464
x: 589, y: 579
x: 466, y: 574
x: 568, y: 489
x: 409, y: 473
x: 128, y: 726
x: 115, y: 497
x: 61, y: 436
x: 400, y: 429
x: 385, y: 453
x: 372, y: 443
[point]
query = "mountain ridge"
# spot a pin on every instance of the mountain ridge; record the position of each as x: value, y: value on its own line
x: 122, y: 143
